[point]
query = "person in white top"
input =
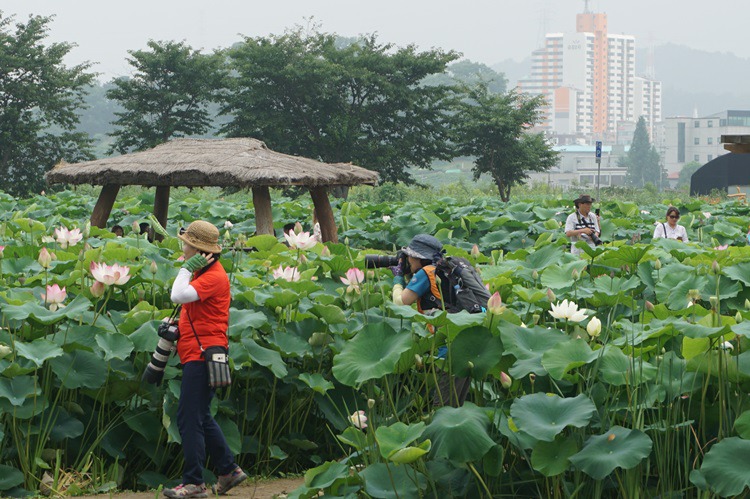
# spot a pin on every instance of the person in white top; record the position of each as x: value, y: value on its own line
x: 670, y: 229
x: 582, y: 225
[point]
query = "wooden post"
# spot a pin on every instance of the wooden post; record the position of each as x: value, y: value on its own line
x: 325, y: 214
x: 263, y: 215
x: 161, y: 207
x: 104, y: 205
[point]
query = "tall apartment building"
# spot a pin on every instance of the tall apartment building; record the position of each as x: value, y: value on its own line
x: 588, y: 79
x: 699, y: 139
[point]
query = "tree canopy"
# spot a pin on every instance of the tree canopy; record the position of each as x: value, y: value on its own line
x: 362, y: 102
x: 39, y: 98
x: 493, y: 128
x: 167, y: 96
x: 642, y: 160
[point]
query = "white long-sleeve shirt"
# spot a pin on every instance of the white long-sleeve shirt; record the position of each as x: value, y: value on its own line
x: 182, y: 291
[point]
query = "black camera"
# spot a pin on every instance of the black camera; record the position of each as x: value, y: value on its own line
x: 382, y: 261
x: 583, y: 224
x: 168, y: 334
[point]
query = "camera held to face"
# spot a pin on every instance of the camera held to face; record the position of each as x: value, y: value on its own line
x: 168, y: 334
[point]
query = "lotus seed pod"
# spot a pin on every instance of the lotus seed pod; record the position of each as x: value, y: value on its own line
x: 714, y: 301
x: 532, y: 378
x: 141, y: 294
x: 318, y: 339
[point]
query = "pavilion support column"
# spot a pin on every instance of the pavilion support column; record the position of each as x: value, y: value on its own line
x: 104, y: 205
x: 263, y: 215
x: 324, y: 214
x: 161, y: 207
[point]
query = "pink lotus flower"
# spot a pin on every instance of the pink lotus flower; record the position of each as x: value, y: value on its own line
x: 2, y: 248
x: 302, y: 240
x: 721, y: 247
x: 359, y: 420
x: 290, y: 274
x: 325, y: 251
x: 495, y: 304
x: 110, y: 274
x: 67, y: 237
x: 97, y: 289
x: 54, y: 296
x: 44, y: 258
x: 475, y: 251
x: 353, y: 277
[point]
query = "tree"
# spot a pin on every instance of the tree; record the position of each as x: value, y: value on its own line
x: 469, y: 73
x: 642, y: 160
x: 304, y: 94
x: 494, y: 129
x: 686, y: 173
x: 39, y: 97
x: 166, y: 97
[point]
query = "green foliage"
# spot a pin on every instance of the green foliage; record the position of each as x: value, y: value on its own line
x: 166, y: 97
x: 469, y: 73
x: 39, y: 98
x: 304, y: 94
x: 686, y: 174
x: 642, y: 161
x: 493, y: 129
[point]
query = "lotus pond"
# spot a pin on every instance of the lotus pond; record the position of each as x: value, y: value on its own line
x: 622, y: 374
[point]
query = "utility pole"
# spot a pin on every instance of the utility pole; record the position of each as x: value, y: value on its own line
x: 598, y: 165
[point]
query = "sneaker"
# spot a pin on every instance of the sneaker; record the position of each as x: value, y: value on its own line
x: 228, y: 481
x: 187, y: 491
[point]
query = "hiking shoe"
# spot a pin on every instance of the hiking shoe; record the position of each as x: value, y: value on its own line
x: 228, y: 481
x: 186, y: 491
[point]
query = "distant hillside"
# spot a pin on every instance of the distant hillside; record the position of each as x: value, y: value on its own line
x: 692, y: 79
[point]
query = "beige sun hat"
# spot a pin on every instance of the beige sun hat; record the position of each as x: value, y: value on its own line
x: 202, y: 236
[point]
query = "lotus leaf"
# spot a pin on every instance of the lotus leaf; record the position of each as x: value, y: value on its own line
x: 326, y: 474
x: 37, y: 312
x: 560, y: 277
x: 354, y: 437
x: 477, y: 346
x: 316, y: 382
x: 65, y: 426
x: 739, y: 272
x: 16, y: 390
x: 331, y: 314
x: 617, y: 448
x: 80, y: 369
x: 726, y: 467
x: 371, y: 354
x: 114, y: 346
x: 673, y: 288
x: 672, y: 375
x: 618, y: 369
x: 397, y: 436
x: 528, y: 345
x: 564, y: 357
x: 260, y: 355
x: 546, y: 415
x: 742, y: 425
x: 231, y: 433
x: 460, y: 434
x: 9, y: 477
x: 393, y: 482
x: 553, y: 458
x: 38, y: 351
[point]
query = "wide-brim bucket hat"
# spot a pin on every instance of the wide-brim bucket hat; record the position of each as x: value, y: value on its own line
x: 585, y: 198
x: 202, y: 236
x: 424, y: 247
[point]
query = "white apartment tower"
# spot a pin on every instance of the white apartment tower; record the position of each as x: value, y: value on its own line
x: 588, y: 79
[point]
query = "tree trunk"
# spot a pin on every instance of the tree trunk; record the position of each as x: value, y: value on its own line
x: 324, y: 214
x: 161, y: 208
x: 263, y: 215
x: 104, y: 204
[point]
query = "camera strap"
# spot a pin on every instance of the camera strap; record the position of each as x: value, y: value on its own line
x: 194, y: 331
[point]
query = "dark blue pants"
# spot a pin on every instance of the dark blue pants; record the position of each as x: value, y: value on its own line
x: 198, y: 429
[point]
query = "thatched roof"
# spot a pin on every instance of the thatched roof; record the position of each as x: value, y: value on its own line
x: 238, y: 162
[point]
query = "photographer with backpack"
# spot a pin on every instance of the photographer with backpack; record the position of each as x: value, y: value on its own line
x: 439, y: 283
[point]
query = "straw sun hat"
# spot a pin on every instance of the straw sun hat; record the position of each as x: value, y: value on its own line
x: 202, y: 236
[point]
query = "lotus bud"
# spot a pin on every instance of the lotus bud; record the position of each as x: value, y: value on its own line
x: 318, y: 339
x: 535, y: 319
x: 657, y: 264
x: 153, y: 267
x: 551, y: 295
x: 738, y: 317
x: 505, y: 380
x: 278, y: 310
x: 475, y: 251
x: 346, y: 241
x: 87, y: 229
x: 141, y: 294
x: 714, y: 301
x: 21, y: 280
x: 325, y: 251
x: 747, y: 304
x: 418, y: 361
x: 302, y: 258
x: 44, y: 258
x: 370, y: 274
x: 495, y: 304
x: 471, y: 365
x: 54, y: 256
x: 574, y: 274
x: 534, y: 274
x: 5, y: 350
x: 136, y: 227
x: 715, y: 267
x: 370, y: 403
x: 298, y: 228
x: 97, y: 289
x: 649, y: 306
x: 228, y: 224
x: 594, y: 327
x: 227, y: 235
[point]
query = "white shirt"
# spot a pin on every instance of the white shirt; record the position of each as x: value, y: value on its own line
x: 677, y: 232
x: 570, y: 224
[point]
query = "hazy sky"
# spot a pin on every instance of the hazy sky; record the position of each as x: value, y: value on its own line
x: 487, y: 31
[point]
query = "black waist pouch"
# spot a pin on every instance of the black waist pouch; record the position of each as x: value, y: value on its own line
x: 217, y: 362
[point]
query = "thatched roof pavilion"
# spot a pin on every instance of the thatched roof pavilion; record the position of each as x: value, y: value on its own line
x: 240, y: 162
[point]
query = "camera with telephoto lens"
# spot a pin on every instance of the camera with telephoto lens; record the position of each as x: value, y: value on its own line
x: 583, y: 224
x: 382, y: 261
x: 168, y: 334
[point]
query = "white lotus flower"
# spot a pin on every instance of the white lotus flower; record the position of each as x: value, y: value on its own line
x: 110, y: 274
x: 594, y: 327
x: 359, y: 420
x: 386, y: 218
x: 568, y: 310
x: 302, y: 240
x: 67, y: 237
x: 290, y: 274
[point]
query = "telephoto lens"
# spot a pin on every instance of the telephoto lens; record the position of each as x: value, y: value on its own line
x: 380, y: 261
x: 168, y: 334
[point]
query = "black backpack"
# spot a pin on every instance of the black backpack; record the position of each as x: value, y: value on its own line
x: 461, y: 287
